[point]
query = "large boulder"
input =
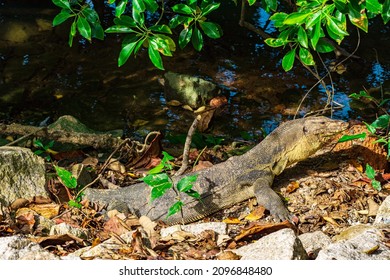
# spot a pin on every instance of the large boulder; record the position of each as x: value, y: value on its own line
x: 22, y: 175
x: 189, y: 90
x: 21, y: 248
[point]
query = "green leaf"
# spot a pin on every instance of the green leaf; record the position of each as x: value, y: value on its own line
x: 381, y: 122
x: 193, y: 193
x: 160, y: 180
x: 346, y: 138
x: 361, y: 94
x: 97, y: 32
x: 179, y: 19
x: 39, y: 152
x: 358, y: 18
x: 335, y: 36
x: 315, y: 34
x: 91, y: 15
x: 138, y: 16
x: 376, y: 185
x: 155, y: 57
x: 169, y: 41
x: 84, y: 28
x: 302, y: 37
x: 127, y: 49
x: 139, y: 6
x: 62, y: 4
x: 186, y: 183
x: 119, y: 29
x: 176, y: 207
x: 370, y: 128
x: 120, y: 8
x: 306, y: 57
x: 211, y: 29
x: 183, y: 9
x: 72, y: 33
x: 161, y: 28
x: 197, y: 39
x: 157, y: 169
x: 323, y: 46
x: 272, y: 42
x: 251, y: 2
x: 159, y: 190
x: 296, y: 18
x: 61, y: 17
x: 335, y: 26
x: 75, y: 204
x: 314, y: 19
x: 192, y: 3
x: 271, y: 4
x: 160, y: 45
x: 341, y: 6
x: 386, y: 11
x: 151, y: 5
x: 288, y: 60
x: 373, y: 6
x: 125, y: 21
x: 278, y: 19
x: 166, y: 157
x: 66, y: 177
x: 209, y: 8
x: 139, y: 45
x: 185, y: 37
x: 370, y: 172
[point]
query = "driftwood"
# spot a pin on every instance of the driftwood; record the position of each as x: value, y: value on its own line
x: 61, y: 136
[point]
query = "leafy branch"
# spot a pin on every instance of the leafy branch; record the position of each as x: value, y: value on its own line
x: 160, y: 182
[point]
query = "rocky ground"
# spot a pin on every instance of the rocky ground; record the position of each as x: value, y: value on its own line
x: 338, y: 214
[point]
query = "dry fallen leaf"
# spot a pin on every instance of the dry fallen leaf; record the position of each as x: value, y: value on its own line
x: 256, y: 214
x: 231, y: 221
x: 292, y: 187
x: 257, y: 228
x: 202, y: 164
x: 330, y: 220
x: 228, y: 255
x: 46, y: 210
x: 149, y: 227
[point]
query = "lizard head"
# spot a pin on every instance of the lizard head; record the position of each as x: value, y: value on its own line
x: 322, y: 129
x: 315, y: 133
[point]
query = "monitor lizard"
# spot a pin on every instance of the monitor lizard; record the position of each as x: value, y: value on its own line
x: 235, y: 180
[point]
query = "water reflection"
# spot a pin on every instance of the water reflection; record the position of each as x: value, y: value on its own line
x: 42, y: 77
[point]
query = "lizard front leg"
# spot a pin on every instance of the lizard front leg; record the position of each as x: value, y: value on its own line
x: 270, y: 200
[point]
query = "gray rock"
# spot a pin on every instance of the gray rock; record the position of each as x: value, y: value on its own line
x: 357, y: 243
x: 21, y: 248
x: 22, y: 174
x: 313, y: 242
x: 383, y: 214
x: 64, y: 228
x: 106, y: 250
x: 195, y: 229
x: 189, y: 90
x: 280, y: 245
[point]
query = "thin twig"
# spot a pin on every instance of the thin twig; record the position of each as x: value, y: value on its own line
x: 25, y: 137
x: 187, y: 146
x: 321, y: 79
x: 107, y: 162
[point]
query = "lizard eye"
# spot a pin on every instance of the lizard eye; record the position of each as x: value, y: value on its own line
x: 305, y: 129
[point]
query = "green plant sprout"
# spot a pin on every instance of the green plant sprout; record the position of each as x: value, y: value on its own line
x: 381, y: 124
x: 160, y: 182
x: 69, y: 181
x: 44, y: 150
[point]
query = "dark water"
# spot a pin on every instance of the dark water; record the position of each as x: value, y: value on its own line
x: 41, y: 78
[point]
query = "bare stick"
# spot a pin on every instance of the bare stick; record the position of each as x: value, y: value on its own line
x: 25, y: 137
x: 187, y: 146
